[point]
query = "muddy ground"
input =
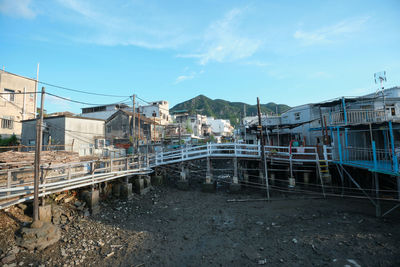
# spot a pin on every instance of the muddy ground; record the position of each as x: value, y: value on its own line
x: 168, y: 227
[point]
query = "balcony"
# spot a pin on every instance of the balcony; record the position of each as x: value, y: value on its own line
x: 357, y: 117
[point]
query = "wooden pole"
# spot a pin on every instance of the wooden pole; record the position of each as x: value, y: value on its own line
x: 264, y: 162
x: 133, y: 122
x: 39, y: 134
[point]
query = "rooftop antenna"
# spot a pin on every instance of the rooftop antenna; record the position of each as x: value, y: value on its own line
x: 381, y: 77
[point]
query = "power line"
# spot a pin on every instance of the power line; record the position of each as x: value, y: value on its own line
x: 79, y: 91
x: 63, y: 87
x: 81, y: 102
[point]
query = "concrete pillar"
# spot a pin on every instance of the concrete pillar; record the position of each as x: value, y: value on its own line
x: 45, y: 213
x: 235, y: 186
x: 273, y: 176
x: 116, y: 189
x: 306, y: 178
x: 183, y: 183
x: 126, y: 191
x: 92, y: 200
x: 139, y: 185
x: 245, y: 176
x: 208, y: 185
x: 156, y: 180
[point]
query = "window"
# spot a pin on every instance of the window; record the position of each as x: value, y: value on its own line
x: 393, y: 112
x: 109, y: 129
x: 124, y: 127
x: 7, y: 123
x: 192, y: 120
x: 297, y: 116
x: 10, y: 97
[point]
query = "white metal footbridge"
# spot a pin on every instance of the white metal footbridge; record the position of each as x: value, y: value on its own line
x: 16, y: 184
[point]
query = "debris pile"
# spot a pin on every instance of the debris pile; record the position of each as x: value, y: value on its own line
x: 15, y: 159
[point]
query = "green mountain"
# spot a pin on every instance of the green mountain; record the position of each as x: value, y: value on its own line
x: 222, y: 109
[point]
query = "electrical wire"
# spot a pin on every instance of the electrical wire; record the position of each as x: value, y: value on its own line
x: 80, y: 102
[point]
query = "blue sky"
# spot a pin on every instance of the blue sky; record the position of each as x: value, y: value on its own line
x: 290, y: 52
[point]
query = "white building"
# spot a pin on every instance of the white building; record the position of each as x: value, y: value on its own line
x: 220, y: 127
x: 158, y: 110
x: 103, y: 112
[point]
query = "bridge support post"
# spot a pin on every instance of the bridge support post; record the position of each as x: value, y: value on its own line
x: 126, y: 189
x: 378, y: 203
x: 235, y: 186
x: 157, y: 178
x: 273, y: 175
x: 306, y: 178
x: 92, y: 200
x: 208, y: 185
x: 183, y: 182
x: 261, y: 174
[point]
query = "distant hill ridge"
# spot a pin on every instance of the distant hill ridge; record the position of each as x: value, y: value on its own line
x: 222, y: 109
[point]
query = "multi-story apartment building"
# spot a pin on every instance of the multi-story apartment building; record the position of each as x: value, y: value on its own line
x: 17, y: 102
x: 158, y: 111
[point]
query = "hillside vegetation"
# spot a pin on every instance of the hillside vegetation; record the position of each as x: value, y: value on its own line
x: 222, y: 109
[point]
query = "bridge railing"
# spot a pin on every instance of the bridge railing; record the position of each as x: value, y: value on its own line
x: 18, y: 185
x: 242, y: 150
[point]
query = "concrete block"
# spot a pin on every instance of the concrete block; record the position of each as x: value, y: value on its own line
x: 139, y: 185
x: 234, y: 188
x: 39, y: 237
x: 116, y: 189
x: 126, y: 191
x: 292, y: 182
x: 147, y: 181
x: 156, y: 180
x: 182, y: 184
x: 327, y: 178
x: 208, y: 187
x: 45, y: 213
x: 92, y: 200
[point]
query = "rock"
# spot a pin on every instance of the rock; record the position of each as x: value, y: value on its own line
x: 262, y: 262
x: 110, y: 254
x: 63, y: 253
x: 22, y: 206
x: 39, y: 237
x: 8, y: 259
x: 15, y: 250
x: 37, y: 224
x: 77, y: 203
x: 259, y: 223
x: 294, y: 240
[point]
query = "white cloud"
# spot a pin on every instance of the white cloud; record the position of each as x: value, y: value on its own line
x: 331, y: 33
x: 320, y: 75
x: 17, y: 8
x: 257, y: 63
x: 110, y: 24
x: 223, y: 43
x: 186, y: 77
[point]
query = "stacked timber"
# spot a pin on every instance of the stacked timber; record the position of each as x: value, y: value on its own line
x: 13, y: 159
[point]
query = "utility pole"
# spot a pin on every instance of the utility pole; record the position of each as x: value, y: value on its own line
x: 264, y: 162
x: 39, y: 134
x: 36, y: 88
x: 179, y: 135
x: 138, y: 126
x: 133, y: 123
